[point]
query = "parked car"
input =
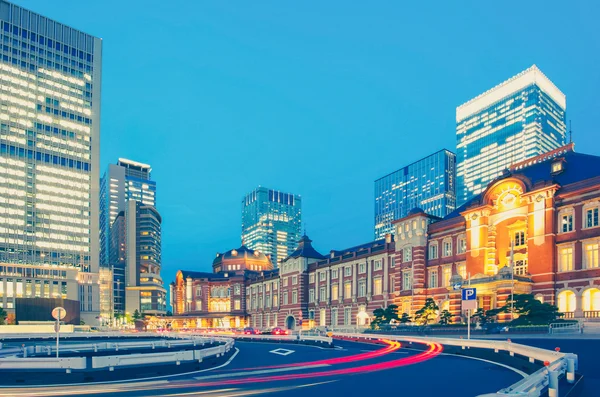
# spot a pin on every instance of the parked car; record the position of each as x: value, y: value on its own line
x: 251, y: 331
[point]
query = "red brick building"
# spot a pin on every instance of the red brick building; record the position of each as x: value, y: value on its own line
x: 543, y: 213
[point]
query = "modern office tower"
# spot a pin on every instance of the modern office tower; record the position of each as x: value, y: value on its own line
x: 126, y: 180
x: 130, y: 240
x: 271, y: 222
x: 516, y: 120
x: 50, y: 78
x: 428, y: 184
x: 144, y: 289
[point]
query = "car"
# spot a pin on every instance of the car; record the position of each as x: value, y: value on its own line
x: 280, y: 331
x: 251, y: 331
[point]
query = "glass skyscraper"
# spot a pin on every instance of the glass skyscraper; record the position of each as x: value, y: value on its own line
x: 428, y: 184
x: 130, y: 238
x: 50, y: 78
x: 126, y: 180
x: 271, y: 222
x: 516, y: 120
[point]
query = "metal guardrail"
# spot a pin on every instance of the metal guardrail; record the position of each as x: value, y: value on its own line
x: 110, y: 362
x: 558, y: 363
x: 291, y: 338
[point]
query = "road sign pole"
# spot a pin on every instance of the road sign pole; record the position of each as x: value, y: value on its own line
x: 57, y: 331
x: 469, y: 316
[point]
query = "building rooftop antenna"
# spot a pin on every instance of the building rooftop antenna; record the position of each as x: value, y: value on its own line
x: 570, y: 132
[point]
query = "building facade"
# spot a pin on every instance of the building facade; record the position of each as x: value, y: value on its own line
x: 130, y: 239
x: 123, y: 181
x: 543, y: 213
x: 428, y: 184
x: 218, y: 299
x: 271, y: 222
x: 519, y: 119
x: 50, y: 77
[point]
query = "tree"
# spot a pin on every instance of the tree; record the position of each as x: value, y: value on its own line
x: 529, y: 311
x: 484, y: 317
x: 384, y: 316
x: 405, y: 318
x: 3, y: 316
x: 428, y: 313
x: 136, y: 315
x: 445, y: 317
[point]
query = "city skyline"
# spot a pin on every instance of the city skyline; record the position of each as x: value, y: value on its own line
x: 394, y: 113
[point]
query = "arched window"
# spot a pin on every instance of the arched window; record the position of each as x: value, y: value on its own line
x: 567, y: 302
x: 591, y: 300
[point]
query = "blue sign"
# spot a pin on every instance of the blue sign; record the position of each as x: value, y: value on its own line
x: 469, y: 294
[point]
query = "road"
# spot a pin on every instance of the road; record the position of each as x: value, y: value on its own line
x: 350, y: 369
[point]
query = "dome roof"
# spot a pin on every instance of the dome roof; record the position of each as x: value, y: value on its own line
x: 241, y: 252
x: 416, y: 211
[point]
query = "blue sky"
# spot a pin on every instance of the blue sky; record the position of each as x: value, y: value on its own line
x: 318, y: 98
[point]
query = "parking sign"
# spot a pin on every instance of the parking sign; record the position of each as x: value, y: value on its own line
x: 469, y: 294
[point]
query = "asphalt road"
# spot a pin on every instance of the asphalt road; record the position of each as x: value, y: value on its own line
x: 351, y: 369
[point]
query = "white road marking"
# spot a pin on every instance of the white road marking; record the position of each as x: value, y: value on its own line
x: 260, y: 372
x: 282, y: 352
x: 523, y: 374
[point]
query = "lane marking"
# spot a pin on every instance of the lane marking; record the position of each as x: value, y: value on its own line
x: 123, y: 381
x: 282, y: 352
x: 523, y: 374
x: 260, y: 372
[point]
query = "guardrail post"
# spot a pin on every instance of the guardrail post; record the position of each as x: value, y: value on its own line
x: 570, y: 370
x: 95, y: 348
x: 552, y: 383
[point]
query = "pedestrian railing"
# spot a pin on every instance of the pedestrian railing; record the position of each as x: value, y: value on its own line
x: 565, y: 328
x: 555, y: 363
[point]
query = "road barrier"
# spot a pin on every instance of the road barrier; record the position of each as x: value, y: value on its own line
x: 556, y: 363
x: 288, y: 338
x: 123, y: 360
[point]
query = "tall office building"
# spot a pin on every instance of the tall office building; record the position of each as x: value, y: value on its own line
x: 428, y: 184
x: 130, y: 238
x: 518, y: 119
x: 271, y: 222
x: 50, y: 78
x: 123, y: 181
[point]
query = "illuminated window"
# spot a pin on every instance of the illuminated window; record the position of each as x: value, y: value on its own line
x: 322, y: 317
x: 237, y: 304
x: 557, y: 166
x: 347, y: 290
x: 565, y: 259
x: 334, y: 292
x: 377, y: 286
x: 446, y: 275
x: 433, y: 279
x: 461, y: 269
x: 591, y: 255
x: 311, y: 278
x: 461, y: 243
x: 275, y: 300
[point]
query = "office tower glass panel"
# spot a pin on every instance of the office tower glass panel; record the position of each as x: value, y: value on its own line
x: 427, y: 184
x: 521, y: 118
